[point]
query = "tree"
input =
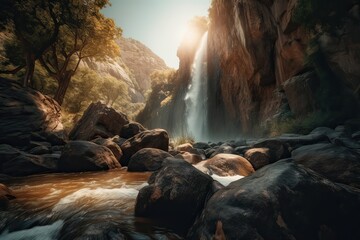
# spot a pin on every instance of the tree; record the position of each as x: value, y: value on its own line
x: 112, y: 88
x: 86, y: 34
x: 35, y: 24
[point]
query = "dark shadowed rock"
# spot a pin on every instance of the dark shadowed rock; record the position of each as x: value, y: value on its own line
x: 278, y: 149
x: 110, y: 144
x: 176, y: 192
x: 147, y: 159
x: 201, y: 145
x: 226, y: 165
x: 5, y: 195
x: 258, y: 157
x: 280, y: 201
x: 157, y: 138
x: 79, y: 156
x: 223, y: 149
x: 338, y: 163
x: 26, y: 164
x: 98, y: 120
x: 25, y: 111
x: 131, y: 129
x: 40, y: 150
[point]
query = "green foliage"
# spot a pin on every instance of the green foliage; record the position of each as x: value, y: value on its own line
x: 321, y: 15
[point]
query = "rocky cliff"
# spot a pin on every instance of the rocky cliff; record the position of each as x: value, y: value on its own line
x: 134, y: 66
x: 255, y: 47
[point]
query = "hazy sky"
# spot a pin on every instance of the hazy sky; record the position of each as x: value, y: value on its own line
x: 159, y: 24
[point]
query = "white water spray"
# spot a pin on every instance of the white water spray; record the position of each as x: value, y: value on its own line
x: 196, y: 98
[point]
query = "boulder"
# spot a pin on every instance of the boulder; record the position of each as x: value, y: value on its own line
x: 147, y: 159
x: 131, y: 129
x: 80, y: 156
x: 98, y: 120
x: 40, y: 150
x: 157, y: 138
x: 186, y: 147
x: 280, y: 201
x: 226, y: 165
x: 191, y: 158
x: 338, y: 163
x: 278, y: 149
x: 258, y: 157
x: 201, y: 145
x: 223, y: 149
x: 5, y: 195
x: 25, y: 111
x: 176, y: 192
x: 26, y: 164
x: 110, y: 144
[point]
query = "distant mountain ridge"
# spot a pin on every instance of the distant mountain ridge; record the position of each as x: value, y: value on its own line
x: 134, y: 66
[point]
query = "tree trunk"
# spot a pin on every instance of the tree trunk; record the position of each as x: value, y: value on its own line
x: 30, y: 67
x: 63, y: 84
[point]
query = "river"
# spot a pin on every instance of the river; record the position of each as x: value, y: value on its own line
x: 91, y: 205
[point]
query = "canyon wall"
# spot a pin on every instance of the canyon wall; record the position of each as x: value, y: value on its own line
x: 255, y: 47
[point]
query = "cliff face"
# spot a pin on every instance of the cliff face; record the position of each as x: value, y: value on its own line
x: 255, y: 47
x: 134, y: 66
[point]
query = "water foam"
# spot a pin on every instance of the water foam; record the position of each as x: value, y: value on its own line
x: 227, y: 179
x: 47, y: 232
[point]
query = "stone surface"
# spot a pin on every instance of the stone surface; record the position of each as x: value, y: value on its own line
x: 98, y: 121
x: 176, y: 192
x: 157, y: 138
x: 338, y: 163
x: 5, y: 195
x: 147, y: 159
x: 258, y: 157
x: 110, y: 144
x: 226, y: 165
x: 81, y: 156
x: 189, y: 157
x: 186, y: 147
x: 131, y: 129
x: 25, y: 111
x: 280, y: 201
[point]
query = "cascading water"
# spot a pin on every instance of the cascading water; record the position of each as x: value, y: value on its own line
x: 196, y: 98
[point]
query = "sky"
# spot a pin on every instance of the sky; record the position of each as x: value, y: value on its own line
x: 159, y: 24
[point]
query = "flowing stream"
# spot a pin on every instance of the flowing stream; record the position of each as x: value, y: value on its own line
x: 196, y: 98
x: 92, y: 205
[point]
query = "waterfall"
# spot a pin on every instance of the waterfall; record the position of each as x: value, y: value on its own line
x: 196, y: 98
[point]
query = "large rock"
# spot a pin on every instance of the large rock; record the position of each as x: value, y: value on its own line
x: 338, y: 163
x: 147, y: 159
x: 80, y: 156
x: 258, y: 157
x: 131, y: 129
x: 110, y: 144
x: 24, y: 111
x: 157, y: 138
x: 18, y: 163
x: 177, y: 192
x: 226, y: 165
x: 98, y: 120
x: 5, y: 195
x: 280, y: 201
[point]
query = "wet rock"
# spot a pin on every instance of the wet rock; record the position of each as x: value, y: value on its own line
x: 26, y: 164
x: 24, y: 111
x: 258, y: 157
x: 131, y: 129
x: 278, y: 149
x: 147, y: 159
x: 40, y: 150
x: 98, y: 120
x: 186, y: 147
x: 201, y: 145
x: 338, y: 163
x: 5, y: 195
x: 176, y: 192
x: 110, y: 144
x: 80, y: 156
x: 157, y: 138
x: 241, y: 150
x: 223, y: 149
x: 226, y: 165
x: 189, y: 157
x: 280, y: 201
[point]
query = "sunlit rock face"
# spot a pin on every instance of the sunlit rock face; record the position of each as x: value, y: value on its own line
x: 134, y: 66
x: 254, y: 47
